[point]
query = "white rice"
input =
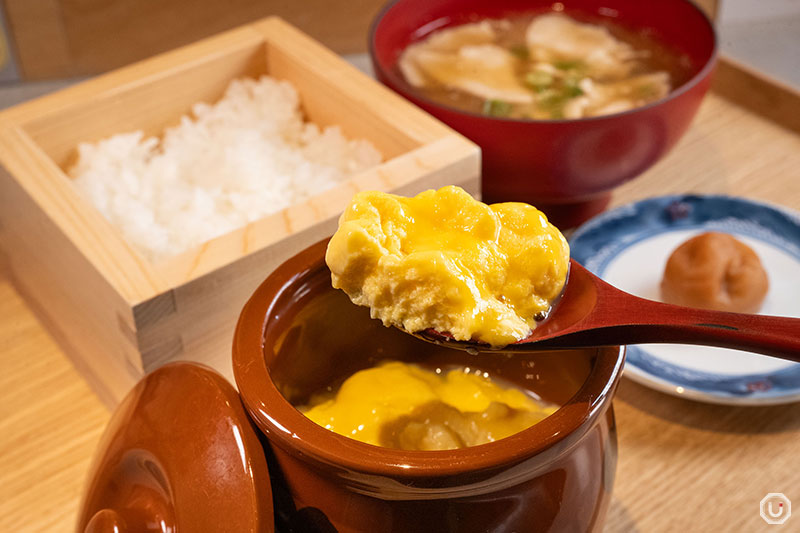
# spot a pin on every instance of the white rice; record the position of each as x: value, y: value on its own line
x: 248, y: 155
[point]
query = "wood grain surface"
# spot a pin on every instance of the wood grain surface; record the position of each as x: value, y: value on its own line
x: 50, y: 423
x: 683, y: 466
x: 62, y: 38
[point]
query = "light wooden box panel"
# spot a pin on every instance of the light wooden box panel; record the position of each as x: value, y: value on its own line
x: 66, y: 38
x: 118, y: 315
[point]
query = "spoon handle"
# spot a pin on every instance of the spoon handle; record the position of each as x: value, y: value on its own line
x: 625, y: 319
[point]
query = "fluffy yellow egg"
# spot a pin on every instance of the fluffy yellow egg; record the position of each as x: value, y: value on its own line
x: 446, y: 261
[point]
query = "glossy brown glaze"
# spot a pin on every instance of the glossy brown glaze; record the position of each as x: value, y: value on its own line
x: 297, y: 335
x: 179, y: 454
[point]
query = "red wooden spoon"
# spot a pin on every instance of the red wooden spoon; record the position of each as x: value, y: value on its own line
x: 591, y: 312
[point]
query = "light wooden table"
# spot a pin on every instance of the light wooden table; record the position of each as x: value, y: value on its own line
x: 683, y: 466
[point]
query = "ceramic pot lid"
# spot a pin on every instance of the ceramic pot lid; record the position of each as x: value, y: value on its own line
x: 179, y: 454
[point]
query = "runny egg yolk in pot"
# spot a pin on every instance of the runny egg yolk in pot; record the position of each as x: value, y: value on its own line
x: 446, y: 261
x: 400, y: 405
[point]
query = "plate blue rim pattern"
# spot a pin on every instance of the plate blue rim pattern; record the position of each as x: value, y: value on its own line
x: 600, y: 240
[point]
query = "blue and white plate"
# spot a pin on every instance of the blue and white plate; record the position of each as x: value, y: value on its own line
x: 629, y: 246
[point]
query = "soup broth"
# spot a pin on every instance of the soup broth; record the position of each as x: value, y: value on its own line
x: 543, y: 66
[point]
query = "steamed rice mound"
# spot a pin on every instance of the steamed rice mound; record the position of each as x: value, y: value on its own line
x: 247, y: 156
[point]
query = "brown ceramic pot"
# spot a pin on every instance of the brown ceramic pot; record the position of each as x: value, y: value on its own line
x: 298, y: 335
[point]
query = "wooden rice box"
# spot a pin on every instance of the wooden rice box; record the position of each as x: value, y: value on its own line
x: 118, y: 315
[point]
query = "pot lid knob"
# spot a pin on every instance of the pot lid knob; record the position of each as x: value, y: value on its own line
x: 106, y: 521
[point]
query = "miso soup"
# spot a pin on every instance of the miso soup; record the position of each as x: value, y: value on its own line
x: 542, y: 66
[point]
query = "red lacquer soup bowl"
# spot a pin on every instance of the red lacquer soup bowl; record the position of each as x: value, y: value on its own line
x: 298, y: 335
x: 567, y: 168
